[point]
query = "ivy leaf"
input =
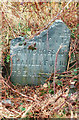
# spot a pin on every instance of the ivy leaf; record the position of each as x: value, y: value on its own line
x: 4, y: 60
x: 20, y: 44
x: 21, y: 103
x: 8, y: 58
x: 75, y: 70
x: 48, y: 85
x: 51, y: 91
x: 20, y: 25
x: 59, y: 82
x: 9, y: 28
x: 72, y: 35
x: 28, y: 29
x: 2, y: 43
x: 77, y: 24
x: 69, y: 94
x: 75, y: 79
x: 30, y: 113
x: 78, y: 36
x: 64, y: 111
x: 23, y: 109
x: 74, y: 29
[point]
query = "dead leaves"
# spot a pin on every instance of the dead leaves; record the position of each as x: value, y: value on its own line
x: 22, y: 19
x: 45, y: 105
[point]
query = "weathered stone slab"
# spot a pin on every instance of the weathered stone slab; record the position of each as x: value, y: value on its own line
x: 34, y: 61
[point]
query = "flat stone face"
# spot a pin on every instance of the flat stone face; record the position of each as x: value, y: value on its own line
x: 33, y: 61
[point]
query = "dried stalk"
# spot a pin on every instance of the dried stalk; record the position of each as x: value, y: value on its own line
x: 17, y: 91
x: 8, y: 22
x: 59, y: 14
x: 52, y: 19
x: 47, y: 41
x: 72, y: 66
x: 55, y: 67
x: 24, y: 114
x: 11, y: 68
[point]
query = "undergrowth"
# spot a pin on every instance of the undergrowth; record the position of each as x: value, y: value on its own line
x: 21, y: 19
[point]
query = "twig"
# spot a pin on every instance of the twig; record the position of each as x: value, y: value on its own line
x: 24, y: 114
x: 69, y: 59
x: 3, y: 64
x: 70, y: 52
x: 58, y: 13
x: 72, y: 66
x: 55, y: 67
x: 11, y: 71
x: 39, y: 16
x: 50, y: 21
x: 53, y: 19
x: 64, y: 102
x: 11, y: 67
x: 75, y: 77
x: 18, y: 92
x: 8, y: 22
x: 47, y: 41
x: 60, y: 106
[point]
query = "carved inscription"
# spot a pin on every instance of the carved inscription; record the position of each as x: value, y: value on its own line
x: 34, y: 61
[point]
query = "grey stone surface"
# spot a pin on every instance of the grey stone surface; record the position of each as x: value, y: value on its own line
x: 33, y: 67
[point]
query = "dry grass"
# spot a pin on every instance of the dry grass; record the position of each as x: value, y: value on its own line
x: 29, y: 18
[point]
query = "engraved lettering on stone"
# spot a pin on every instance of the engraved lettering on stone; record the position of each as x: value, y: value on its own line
x: 34, y: 66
